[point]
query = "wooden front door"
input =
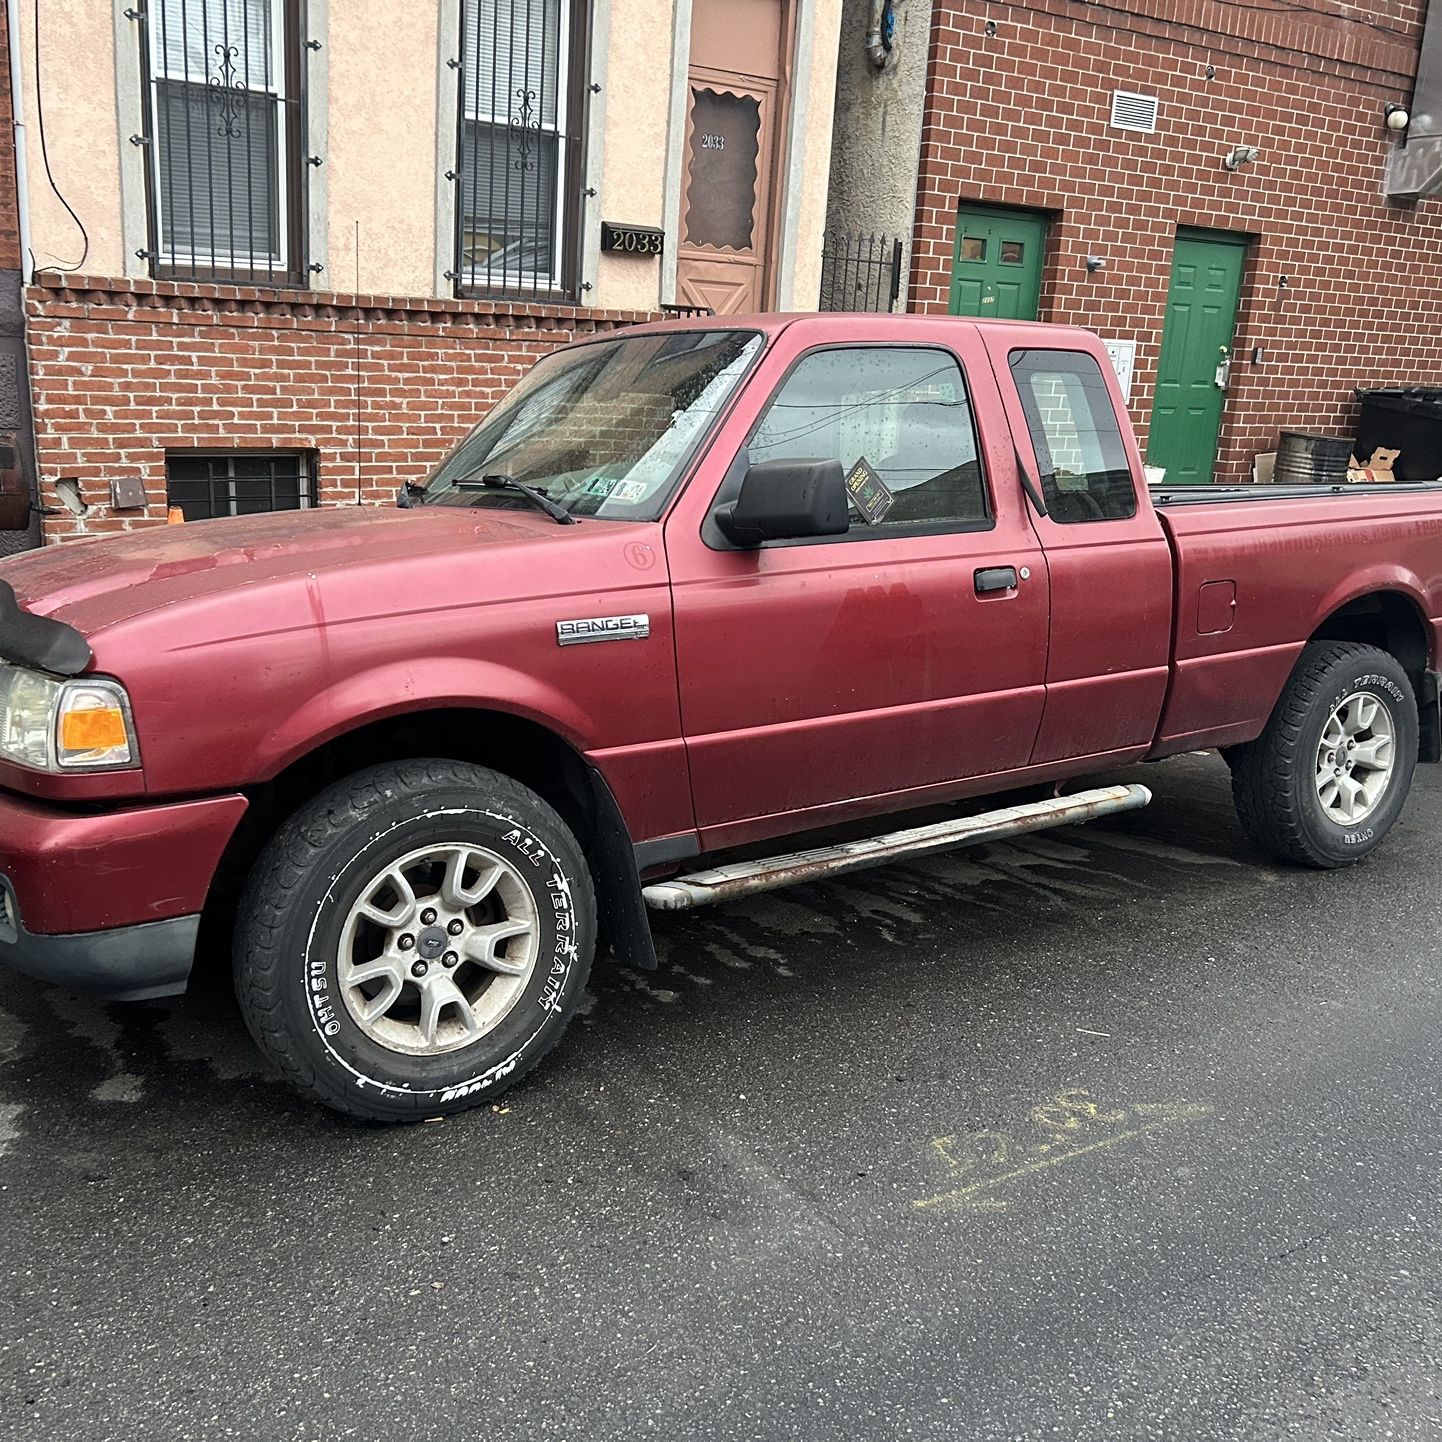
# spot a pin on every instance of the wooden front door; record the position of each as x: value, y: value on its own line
x: 996, y: 272
x: 723, y: 260
x: 1194, y: 369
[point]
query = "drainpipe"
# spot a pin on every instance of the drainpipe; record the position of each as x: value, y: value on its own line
x: 17, y: 109
x: 879, y: 32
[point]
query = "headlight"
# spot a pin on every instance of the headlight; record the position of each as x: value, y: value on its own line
x: 53, y: 725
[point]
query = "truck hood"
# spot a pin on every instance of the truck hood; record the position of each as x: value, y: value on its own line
x: 95, y: 585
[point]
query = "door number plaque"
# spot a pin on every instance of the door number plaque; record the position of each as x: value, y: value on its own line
x: 632, y: 239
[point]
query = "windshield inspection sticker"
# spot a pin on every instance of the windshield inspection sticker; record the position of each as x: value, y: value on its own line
x: 629, y: 492
x: 609, y: 488
x: 869, y: 491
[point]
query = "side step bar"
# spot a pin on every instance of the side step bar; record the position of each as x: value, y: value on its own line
x: 726, y: 883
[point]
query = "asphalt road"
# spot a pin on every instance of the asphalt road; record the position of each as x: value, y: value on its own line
x: 1107, y: 1133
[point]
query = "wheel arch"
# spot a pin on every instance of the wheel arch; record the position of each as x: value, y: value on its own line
x: 519, y: 746
x: 1394, y: 621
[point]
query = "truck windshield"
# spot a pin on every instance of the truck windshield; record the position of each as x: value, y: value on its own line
x: 603, y: 429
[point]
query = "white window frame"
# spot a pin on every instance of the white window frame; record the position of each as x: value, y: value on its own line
x: 467, y: 279
x: 168, y: 256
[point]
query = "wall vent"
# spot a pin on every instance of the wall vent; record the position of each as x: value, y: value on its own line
x: 1134, y: 112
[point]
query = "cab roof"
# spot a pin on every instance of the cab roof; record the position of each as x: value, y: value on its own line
x: 823, y: 326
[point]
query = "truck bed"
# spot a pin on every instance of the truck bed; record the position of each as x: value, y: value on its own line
x: 1291, y: 559
x: 1166, y: 496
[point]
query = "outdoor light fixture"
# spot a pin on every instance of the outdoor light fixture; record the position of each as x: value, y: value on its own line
x: 1096, y: 262
x: 1396, y: 116
x: 1241, y: 155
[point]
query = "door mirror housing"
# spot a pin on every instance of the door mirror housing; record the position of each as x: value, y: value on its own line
x: 784, y: 501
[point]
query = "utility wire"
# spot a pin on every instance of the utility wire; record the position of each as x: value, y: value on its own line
x: 45, y: 156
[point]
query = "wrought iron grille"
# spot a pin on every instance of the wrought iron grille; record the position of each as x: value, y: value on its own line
x: 519, y: 179
x: 223, y: 135
x: 860, y: 272
x: 246, y: 483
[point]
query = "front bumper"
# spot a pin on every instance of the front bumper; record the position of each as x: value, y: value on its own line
x: 109, y: 900
x: 127, y: 963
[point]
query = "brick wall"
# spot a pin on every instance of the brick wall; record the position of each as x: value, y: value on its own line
x: 1341, y: 288
x: 378, y: 387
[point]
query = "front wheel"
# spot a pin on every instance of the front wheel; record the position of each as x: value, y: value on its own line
x: 1327, y: 779
x: 415, y: 939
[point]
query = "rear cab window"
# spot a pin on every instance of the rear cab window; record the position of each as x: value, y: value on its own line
x: 1085, y: 475
x: 902, y: 410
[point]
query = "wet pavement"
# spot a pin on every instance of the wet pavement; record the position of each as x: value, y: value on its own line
x: 1114, y: 1132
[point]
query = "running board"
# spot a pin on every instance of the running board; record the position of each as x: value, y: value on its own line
x: 726, y: 883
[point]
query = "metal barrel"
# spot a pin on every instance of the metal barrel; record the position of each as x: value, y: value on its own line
x: 1308, y: 460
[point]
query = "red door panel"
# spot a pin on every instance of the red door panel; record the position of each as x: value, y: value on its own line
x: 1109, y: 647
x: 815, y: 673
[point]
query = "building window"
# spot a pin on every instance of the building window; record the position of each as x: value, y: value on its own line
x: 244, y: 483
x: 522, y: 94
x: 223, y: 132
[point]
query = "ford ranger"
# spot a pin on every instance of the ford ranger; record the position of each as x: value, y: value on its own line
x: 690, y: 592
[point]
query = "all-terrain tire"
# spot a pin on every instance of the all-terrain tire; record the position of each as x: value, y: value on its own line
x: 1275, y: 779
x: 301, y: 904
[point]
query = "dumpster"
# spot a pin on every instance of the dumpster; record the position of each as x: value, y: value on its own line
x: 1407, y: 420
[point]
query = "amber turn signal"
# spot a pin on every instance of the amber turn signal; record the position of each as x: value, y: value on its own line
x: 96, y: 729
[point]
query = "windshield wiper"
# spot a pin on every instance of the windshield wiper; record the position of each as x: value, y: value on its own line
x: 559, y: 514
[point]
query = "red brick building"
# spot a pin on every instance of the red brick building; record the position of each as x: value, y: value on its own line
x: 1028, y: 180
x: 286, y: 252
x: 253, y: 286
x: 153, y: 382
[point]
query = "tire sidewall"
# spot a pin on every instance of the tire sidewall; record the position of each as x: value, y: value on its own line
x: 1376, y: 674
x: 550, y: 865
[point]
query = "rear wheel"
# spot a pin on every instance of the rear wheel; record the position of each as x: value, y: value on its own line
x: 1327, y: 779
x: 415, y: 939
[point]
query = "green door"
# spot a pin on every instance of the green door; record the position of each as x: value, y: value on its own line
x: 1195, y: 364
x: 997, y: 270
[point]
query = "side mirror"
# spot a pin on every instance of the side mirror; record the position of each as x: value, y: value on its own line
x: 785, y: 500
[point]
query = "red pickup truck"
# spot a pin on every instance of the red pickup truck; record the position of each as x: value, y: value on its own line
x: 689, y: 589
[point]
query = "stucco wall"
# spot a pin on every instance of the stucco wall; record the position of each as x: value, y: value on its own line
x: 77, y: 91
x: 638, y: 65
x: 381, y: 147
x: 380, y: 143
x: 878, y: 127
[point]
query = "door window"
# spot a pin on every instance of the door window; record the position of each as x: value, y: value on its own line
x: 725, y: 144
x: 1085, y: 474
x: 905, y: 412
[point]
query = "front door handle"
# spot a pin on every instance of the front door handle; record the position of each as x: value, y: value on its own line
x: 995, y: 578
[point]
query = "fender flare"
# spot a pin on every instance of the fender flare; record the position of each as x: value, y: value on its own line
x: 404, y: 688
x: 449, y: 684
